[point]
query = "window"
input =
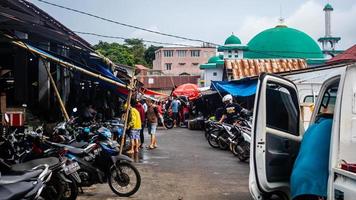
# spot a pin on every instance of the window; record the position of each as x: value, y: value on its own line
x: 230, y: 56
x: 168, y: 66
x: 308, y: 99
x: 168, y: 53
x: 195, y: 53
x: 282, y: 111
x: 329, y: 98
x: 215, y: 73
x: 182, y: 53
x: 229, y: 51
x: 236, y: 56
x: 181, y: 63
x: 195, y: 64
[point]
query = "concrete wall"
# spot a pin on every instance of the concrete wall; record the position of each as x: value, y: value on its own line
x: 209, y: 76
x: 186, y: 64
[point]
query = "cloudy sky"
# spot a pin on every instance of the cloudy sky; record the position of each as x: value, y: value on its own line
x: 208, y: 20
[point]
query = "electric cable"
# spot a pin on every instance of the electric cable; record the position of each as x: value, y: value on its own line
x: 125, y: 24
x: 123, y: 38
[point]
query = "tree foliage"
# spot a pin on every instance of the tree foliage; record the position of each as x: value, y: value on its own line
x: 132, y: 52
x: 150, y: 54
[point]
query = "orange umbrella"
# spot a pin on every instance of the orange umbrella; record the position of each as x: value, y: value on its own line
x: 189, y: 90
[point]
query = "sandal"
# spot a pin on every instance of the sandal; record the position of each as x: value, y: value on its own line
x: 130, y: 152
x: 151, y: 147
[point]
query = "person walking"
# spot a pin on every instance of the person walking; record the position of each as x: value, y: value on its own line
x: 175, y: 109
x: 134, y: 126
x: 139, y: 107
x: 152, y: 116
x: 160, y: 113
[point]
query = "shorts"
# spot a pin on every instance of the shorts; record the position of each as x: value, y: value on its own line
x: 176, y: 116
x: 135, y: 134
x: 152, y: 127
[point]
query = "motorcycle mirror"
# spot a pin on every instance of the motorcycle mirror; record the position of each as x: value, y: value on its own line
x: 75, y: 109
x: 7, y: 118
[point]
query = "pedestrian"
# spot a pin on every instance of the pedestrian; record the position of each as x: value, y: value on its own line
x: 143, y: 102
x: 142, y: 112
x: 175, y: 109
x: 160, y: 112
x: 152, y: 116
x: 134, y: 126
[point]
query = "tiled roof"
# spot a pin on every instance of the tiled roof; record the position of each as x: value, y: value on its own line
x: 348, y: 56
x: 167, y: 82
x: 241, y: 68
x: 141, y: 67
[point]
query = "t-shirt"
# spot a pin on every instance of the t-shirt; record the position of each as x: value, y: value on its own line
x: 232, y: 111
x: 152, y: 114
x: 141, y: 110
x: 175, y: 106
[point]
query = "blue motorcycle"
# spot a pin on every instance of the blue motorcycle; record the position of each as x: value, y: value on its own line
x: 100, y: 162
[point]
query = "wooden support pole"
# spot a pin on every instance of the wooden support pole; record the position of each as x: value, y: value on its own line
x: 132, y: 85
x: 61, y: 104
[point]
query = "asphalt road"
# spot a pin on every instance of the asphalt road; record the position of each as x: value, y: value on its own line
x: 184, y: 166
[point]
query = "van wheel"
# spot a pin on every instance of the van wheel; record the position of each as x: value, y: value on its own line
x: 275, y: 196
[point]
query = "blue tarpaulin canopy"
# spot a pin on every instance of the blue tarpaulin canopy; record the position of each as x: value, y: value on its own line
x: 235, y: 88
x: 101, y: 71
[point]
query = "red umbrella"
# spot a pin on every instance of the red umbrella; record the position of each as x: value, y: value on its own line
x: 189, y: 90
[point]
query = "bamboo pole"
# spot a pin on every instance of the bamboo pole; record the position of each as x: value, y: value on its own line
x: 61, y: 104
x: 132, y: 85
x: 71, y: 66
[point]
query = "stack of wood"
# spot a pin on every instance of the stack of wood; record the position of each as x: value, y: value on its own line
x: 242, y: 68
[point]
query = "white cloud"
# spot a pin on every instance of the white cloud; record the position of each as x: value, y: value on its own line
x: 309, y: 18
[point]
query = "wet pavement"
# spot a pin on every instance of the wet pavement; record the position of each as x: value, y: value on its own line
x: 184, y: 166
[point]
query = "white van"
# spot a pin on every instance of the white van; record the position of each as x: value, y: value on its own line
x: 278, y: 131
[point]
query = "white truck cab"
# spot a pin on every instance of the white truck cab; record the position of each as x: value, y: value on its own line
x: 277, y: 133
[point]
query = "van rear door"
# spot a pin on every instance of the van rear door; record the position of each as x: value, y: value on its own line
x: 276, y: 135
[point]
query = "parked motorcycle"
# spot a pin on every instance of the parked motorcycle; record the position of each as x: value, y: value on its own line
x: 100, y: 162
x: 24, y: 184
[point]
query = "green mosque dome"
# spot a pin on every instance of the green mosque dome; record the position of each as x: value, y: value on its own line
x: 232, y: 40
x: 283, y: 42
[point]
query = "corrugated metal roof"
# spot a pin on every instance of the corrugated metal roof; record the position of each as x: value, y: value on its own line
x: 348, y: 56
x: 242, y: 68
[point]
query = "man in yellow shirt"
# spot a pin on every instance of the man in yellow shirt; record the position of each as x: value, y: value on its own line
x: 134, y: 125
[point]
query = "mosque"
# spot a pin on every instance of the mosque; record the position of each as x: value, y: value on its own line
x: 279, y: 42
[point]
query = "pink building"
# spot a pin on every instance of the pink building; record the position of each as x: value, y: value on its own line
x: 182, y: 60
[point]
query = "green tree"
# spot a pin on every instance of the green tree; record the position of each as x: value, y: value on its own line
x: 150, y: 54
x: 117, y: 53
x: 137, y: 48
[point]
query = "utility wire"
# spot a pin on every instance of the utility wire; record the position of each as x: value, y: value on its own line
x: 122, y: 38
x: 124, y: 24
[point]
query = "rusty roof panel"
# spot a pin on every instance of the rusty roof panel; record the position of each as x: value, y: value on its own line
x: 242, y: 68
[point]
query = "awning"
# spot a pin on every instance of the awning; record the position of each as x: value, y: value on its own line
x: 99, y: 73
x: 235, y: 88
x: 151, y: 92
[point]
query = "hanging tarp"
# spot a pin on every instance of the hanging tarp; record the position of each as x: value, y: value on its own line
x: 241, y: 88
x: 92, y: 72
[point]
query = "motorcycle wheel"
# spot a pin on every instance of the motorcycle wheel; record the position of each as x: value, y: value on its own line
x: 223, y: 145
x: 70, y: 190
x: 243, y: 151
x: 213, y: 141
x: 128, y: 178
x: 168, y: 123
x: 233, y: 149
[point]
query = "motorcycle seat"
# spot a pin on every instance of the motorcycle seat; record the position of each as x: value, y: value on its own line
x: 14, y: 177
x: 75, y: 150
x: 17, y: 190
x: 51, y: 162
x: 79, y: 144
